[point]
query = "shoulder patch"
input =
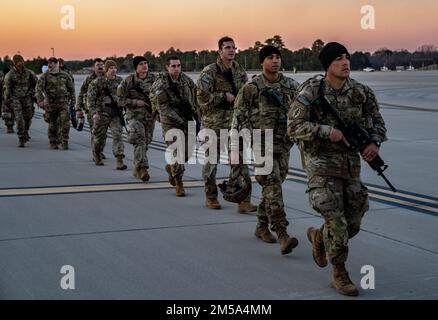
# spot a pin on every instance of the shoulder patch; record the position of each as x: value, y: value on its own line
x: 303, y: 100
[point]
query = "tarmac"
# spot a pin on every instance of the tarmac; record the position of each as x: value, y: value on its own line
x: 131, y: 240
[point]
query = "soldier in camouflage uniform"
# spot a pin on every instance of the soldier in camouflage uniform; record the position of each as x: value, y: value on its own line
x: 217, y: 89
x: 81, y: 105
x: 55, y: 92
x: 263, y: 104
x: 102, y: 102
x: 175, y: 101
x: 6, y: 110
x: 62, y: 67
x: 133, y: 94
x: 19, y: 95
x: 334, y: 186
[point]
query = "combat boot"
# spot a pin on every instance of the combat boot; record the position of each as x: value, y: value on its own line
x: 179, y: 187
x: 136, y: 172
x: 286, y: 243
x: 102, y: 156
x: 169, y: 172
x: 54, y: 146
x: 120, y: 164
x: 21, y: 142
x: 341, y: 281
x: 144, y: 174
x: 27, y: 137
x: 318, y: 250
x: 262, y: 232
x: 245, y: 207
x: 212, y: 203
x: 10, y: 129
x: 97, y: 159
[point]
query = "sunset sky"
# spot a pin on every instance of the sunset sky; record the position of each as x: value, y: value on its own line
x: 108, y: 27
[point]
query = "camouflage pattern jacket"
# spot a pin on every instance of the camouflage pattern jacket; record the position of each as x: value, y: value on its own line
x: 256, y: 108
x: 311, y: 126
x: 133, y: 88
x: 82, y: 97
x: 98, y: 99
x: 56, y: 87
x: 19, y: 85
x: 174, y: 99
x: 211, y: 88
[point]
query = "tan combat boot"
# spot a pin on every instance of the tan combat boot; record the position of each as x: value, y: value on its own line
x: 120, y: 164
x: 179, y: 187
x: 10, y: 129
x: 342, y: 282
x: 245, y: 207
x: 136, y: 172
x: 262, y: 232
x: 212, y: 203
x: 286, y: 243
x: 169, y: 172
x: 318, y: 250
x: 144, y: 174
x: 98, y: 159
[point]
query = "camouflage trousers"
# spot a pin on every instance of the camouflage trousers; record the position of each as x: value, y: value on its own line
x: 140, y: 136
x: 59, y: 121
x: 178, y: 168
x: 99, y: 135
x: 271, y: 208
x: 342, y: 203
x: 91, y: 125
x: 23, y: 112
x: 8, y: 115
x: 209, y: 172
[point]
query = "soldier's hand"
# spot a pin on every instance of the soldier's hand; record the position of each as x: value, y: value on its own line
x: 96, y: 117
x: 230, y: 98
x: 140, y: 103
x: 370, y: 152
x: 41, y: 104
x: 336, y: 136
x: 234, y: 157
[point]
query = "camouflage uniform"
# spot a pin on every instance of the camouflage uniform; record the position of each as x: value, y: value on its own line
x: 98, y: 101
x: 217, y: 113
x: 169, y: 105
x: 19, y: 93
x: 81, y: 104
x: 57, y: 90
x: 141, y: 119
x: 6, y: 111
x: 334, y: 187
x: 254, y: 110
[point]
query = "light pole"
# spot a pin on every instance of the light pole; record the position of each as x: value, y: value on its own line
x: 53, y: 51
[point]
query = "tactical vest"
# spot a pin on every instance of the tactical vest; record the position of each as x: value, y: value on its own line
x: 273, y: 102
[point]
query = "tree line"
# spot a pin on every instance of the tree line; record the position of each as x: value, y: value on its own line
x: 304, y: 59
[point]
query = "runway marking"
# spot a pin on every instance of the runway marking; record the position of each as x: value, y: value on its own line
x: 411, y: 201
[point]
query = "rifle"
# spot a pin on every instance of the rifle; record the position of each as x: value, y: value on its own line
x: 115, y: 107
x: 277, y: 99
x: 357, y: 137
x: 228, y: 75
x: 147, y: 100
x: 184, y: 106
